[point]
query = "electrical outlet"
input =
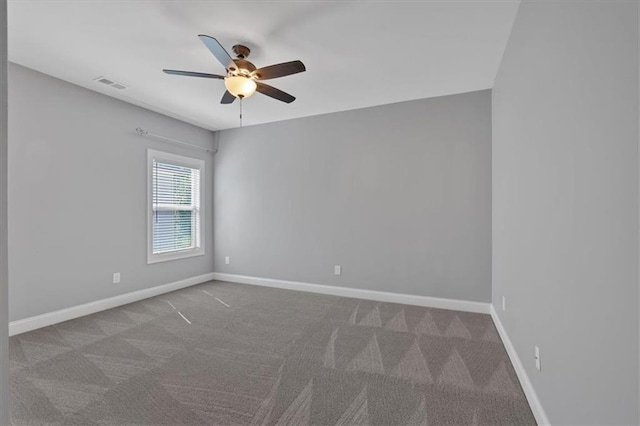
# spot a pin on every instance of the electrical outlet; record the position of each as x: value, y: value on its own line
x: 116, y: 277
x: 504, y: 303
x: 536, y: 355
x: 337, y: 270
x: 227, y: 260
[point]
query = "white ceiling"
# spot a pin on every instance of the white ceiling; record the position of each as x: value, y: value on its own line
x: 357, y: 53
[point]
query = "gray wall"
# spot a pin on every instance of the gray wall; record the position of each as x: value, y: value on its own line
x: 565, y: 205
x: 398, y: 195
x: 77, y: 195
x: 4, y: 307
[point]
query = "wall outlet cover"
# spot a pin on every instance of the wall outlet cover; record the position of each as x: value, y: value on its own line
x: 227, y: 260
x: 116, y: 277
x: 337, y: 270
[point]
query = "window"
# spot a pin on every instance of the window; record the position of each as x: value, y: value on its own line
x: 175, y: 189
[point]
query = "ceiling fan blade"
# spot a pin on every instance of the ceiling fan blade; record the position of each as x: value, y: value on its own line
x: 193, y: 74
x: 227, y: 98
x: 279, y: 70
x: 218, y: 51
x: 278, y: 94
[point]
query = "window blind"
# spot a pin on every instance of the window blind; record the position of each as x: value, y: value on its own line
x: 176, y: 207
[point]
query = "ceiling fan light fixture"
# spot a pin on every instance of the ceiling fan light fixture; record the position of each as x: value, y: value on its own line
x: 239, y: 86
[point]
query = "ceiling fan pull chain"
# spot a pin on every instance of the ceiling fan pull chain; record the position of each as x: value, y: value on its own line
x: 240, y: 111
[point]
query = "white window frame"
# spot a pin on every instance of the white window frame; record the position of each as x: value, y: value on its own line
x: 179, y: 160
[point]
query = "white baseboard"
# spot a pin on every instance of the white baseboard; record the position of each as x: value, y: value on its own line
x: 380, y: 296
x: 50, y: 318
x: 527, y: 386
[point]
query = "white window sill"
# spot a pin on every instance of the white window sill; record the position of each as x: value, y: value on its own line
x: 175, y: 255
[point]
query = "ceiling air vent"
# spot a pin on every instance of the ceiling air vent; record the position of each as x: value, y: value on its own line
x: 114, y: 84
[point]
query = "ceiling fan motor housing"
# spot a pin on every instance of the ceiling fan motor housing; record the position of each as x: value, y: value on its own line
x: 244, y: 67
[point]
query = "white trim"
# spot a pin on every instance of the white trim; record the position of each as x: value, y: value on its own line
x: 380, y: 296
x: 50, y: 318
x: 527, y: 386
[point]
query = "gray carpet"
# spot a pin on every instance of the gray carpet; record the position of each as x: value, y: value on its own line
x: 253, y: 355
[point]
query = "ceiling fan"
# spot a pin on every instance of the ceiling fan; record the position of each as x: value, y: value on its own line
x: 243, y: 79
